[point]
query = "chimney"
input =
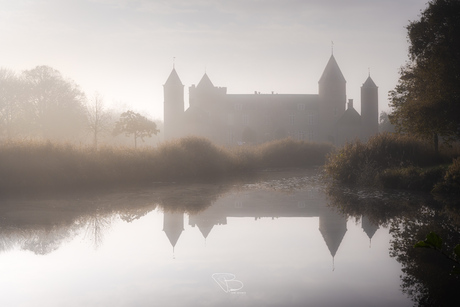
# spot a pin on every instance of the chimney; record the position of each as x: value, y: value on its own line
x: 350, y: 104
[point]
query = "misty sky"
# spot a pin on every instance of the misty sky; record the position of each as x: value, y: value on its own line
x: 124, y: 49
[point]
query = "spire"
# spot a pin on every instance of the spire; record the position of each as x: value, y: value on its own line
x: 369, y: 82
x: 205, y: 82
x: 332, y: 71
x: 173, y: 79
x: 173, y: 225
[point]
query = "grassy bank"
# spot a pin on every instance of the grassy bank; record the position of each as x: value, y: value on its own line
x: 43, y: 166
x: 396, y: 161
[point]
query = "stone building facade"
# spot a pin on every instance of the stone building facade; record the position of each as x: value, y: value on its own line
x: 231, y: 119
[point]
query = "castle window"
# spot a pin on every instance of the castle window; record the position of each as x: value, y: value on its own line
x: 231, y: 137
x: 301, y: 106
x: 291, y: 119
x: 311, y: 119
x: 230, y: 119
x: 245, y: 120
x: 301, y: 135
x: 238, y: 106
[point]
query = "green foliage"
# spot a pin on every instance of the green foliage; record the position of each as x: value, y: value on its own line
x: 426, y: 101
x: 131, y: 123
x: 434, y: 241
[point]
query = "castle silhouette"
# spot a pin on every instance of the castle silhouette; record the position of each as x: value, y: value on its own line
x: 230, y: 119
x: 267, y: 204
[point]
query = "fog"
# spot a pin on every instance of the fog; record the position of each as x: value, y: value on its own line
x: 125, y: 49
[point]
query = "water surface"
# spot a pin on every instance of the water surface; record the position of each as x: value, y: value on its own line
x: 278, y: 240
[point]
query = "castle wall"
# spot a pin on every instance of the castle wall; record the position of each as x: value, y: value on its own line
x: 232, y: 119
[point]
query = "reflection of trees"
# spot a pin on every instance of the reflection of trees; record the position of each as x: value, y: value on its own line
x: 379, y: 207
x: 96, y: 224
x: 426, y: 277
x: 42, y: 226
x: 10, y: 237
x: 45, y: 240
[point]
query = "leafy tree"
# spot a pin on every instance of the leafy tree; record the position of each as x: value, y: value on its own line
x: 426, y: 101
x: 384, y: 123
x: 135, y: 124
x: 54, y: 105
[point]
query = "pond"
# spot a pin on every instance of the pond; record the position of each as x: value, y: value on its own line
x: 281, y: 238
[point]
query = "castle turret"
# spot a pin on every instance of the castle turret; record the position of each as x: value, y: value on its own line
x: 173, y: 225
x: 332, y: 95
x: 369, y: 109
x: 205, y: 95
x: 173, y: 105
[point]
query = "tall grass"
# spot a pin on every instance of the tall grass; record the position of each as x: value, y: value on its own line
x: 45, y: 166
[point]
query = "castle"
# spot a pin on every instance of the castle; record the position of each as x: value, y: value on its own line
x: 231, y: 119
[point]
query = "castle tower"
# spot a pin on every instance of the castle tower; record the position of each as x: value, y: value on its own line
x: 173, y: 225
x: 205, y: 95
x: 332, y: 96
x: 369, y: 109
x: 333, y: 227
x: 173, y: 105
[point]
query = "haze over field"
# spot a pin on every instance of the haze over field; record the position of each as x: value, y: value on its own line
x: 124, y: 49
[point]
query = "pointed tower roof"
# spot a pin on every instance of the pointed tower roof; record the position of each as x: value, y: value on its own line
x: 369, y: 83
x: 205, y: 82
x: 368, y: 227
x: 349, y: 117
x: 173, y: 79
x: 333, y: 239
x: 173, y: 225
x: 332, y: 71
x: 332, y: 227
x: 205, y: 228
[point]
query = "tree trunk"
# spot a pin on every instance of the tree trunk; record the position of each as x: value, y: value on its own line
x: 95, y: 139
x: 436, y: 143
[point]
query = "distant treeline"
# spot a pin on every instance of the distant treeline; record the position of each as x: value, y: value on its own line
x: 33, y: 167
x: 41, y: 104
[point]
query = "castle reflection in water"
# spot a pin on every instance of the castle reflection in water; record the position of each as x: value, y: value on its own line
x: 264, y: 203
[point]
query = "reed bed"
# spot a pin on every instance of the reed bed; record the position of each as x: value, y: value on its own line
x: 44, y: 166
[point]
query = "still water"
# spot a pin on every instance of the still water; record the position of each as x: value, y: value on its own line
x: 281, y: 239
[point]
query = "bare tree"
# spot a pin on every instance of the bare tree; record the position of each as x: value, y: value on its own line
x: 11, y: 102
x: 55, y: 104
x: 99, y: 118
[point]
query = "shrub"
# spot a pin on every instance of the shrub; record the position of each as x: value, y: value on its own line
x: 364, y: 163
x: 289, y: 153
x: 411, y: 178
x: 451, y: 180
